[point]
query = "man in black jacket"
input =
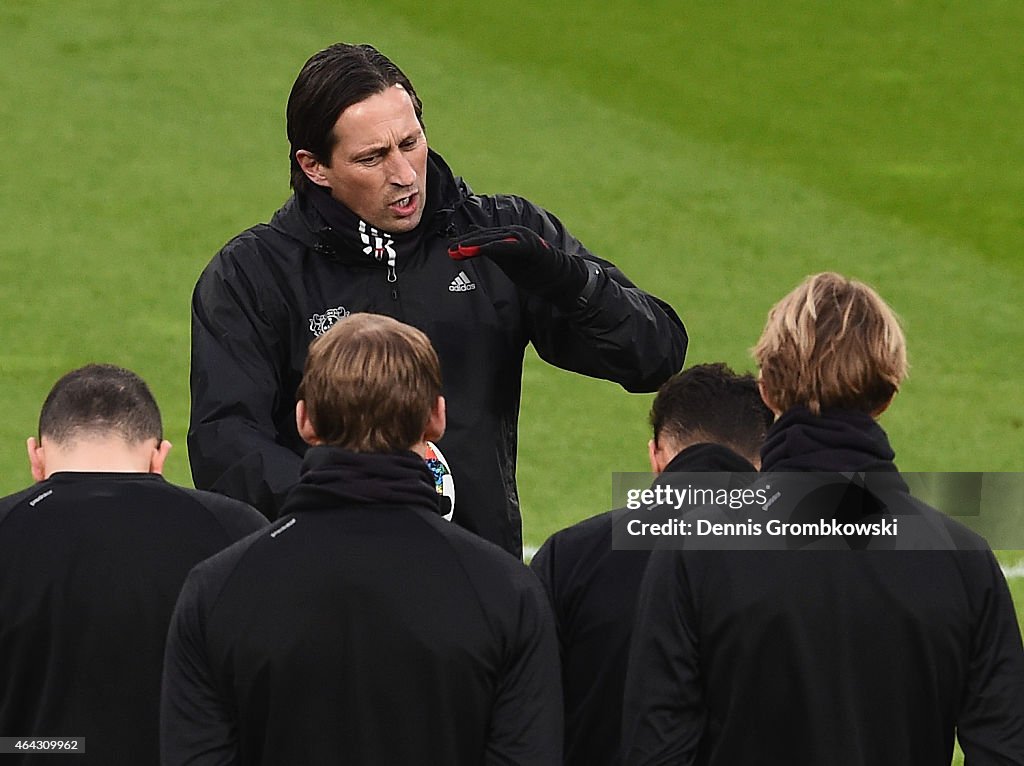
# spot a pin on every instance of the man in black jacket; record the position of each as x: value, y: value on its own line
x: 362, y: 627
x: 706, y: 418
x: 379, y: 223
x: 871, y: 634
x: 91, y: 561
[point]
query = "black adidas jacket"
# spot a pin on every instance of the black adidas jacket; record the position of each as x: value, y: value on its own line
x: 271, y: 289
x: 90, y: 567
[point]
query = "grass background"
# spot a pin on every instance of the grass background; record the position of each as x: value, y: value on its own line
x: 716, y: 151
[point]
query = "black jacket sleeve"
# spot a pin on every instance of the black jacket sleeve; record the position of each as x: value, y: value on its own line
x: 663, y: 707
x: 196, y: 727
x: 618, y: 332
x: 990, y: 724
x: 238, y: 362
x: 544, y: 566
x: 527, y: 720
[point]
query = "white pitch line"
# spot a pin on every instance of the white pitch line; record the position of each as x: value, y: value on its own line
x: 1017, y: 570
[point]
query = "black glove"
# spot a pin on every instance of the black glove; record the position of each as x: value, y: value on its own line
x: 530, y: 261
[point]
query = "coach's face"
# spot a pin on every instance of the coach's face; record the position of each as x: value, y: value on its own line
x: 378, y: 167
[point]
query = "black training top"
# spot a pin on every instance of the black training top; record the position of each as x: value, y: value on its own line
x: 824, y: 648
x: 90, y: 567
x: 362, y: 628
x: 593, y: 590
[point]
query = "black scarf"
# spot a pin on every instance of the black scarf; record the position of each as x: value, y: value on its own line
x: 332, y: 477
x: 836, y: 440
x: 347, y: 235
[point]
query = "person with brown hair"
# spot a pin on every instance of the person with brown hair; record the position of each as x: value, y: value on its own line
x: 363, y: 627
x: 849, y: 648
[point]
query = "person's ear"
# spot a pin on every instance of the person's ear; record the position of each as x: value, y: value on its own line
x: 304, y: 425
x: 437, y: 421
x: 659, y: 455
x: 159, y: 457
x: 36, y: 459
x: 652, y: 456
x: 312, y: 167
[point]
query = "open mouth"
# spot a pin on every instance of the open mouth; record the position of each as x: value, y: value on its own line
x: 405, y: 205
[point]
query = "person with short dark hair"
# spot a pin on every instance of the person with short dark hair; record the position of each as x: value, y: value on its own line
x: 362, y: 627
x: 379, y: 223
x: 706, y: 418
x: 862, y: 647
x: 91, y: 561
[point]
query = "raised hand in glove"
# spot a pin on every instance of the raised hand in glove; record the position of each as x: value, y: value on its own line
x: 529, y: 260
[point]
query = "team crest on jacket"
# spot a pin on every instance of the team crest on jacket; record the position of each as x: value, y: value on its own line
x: 321, y: 323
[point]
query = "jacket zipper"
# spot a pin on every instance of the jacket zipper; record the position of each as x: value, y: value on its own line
x: 393, y: 278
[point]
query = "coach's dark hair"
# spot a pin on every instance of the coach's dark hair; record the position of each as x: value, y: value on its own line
x: 711, y: 403
x: 330, y: 82
x: 100, y: 400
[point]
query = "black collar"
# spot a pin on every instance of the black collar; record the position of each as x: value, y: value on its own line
x: 332, y: 478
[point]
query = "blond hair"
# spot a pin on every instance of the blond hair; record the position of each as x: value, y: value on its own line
x: 370, y: 383
x: 832, y: 342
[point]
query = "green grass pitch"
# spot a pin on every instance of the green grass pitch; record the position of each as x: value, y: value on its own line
x: 716, y: 151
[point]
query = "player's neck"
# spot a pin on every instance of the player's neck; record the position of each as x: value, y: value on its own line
x: 99, y: 455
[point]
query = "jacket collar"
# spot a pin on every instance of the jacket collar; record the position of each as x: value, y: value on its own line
x: 332, y: 477
x: 836, y: 440
x: 709, y: 457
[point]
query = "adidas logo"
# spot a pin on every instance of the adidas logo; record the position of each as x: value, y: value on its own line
x: 461, y: 284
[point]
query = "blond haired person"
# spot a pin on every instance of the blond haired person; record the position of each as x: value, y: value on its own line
x: 844, y: 650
